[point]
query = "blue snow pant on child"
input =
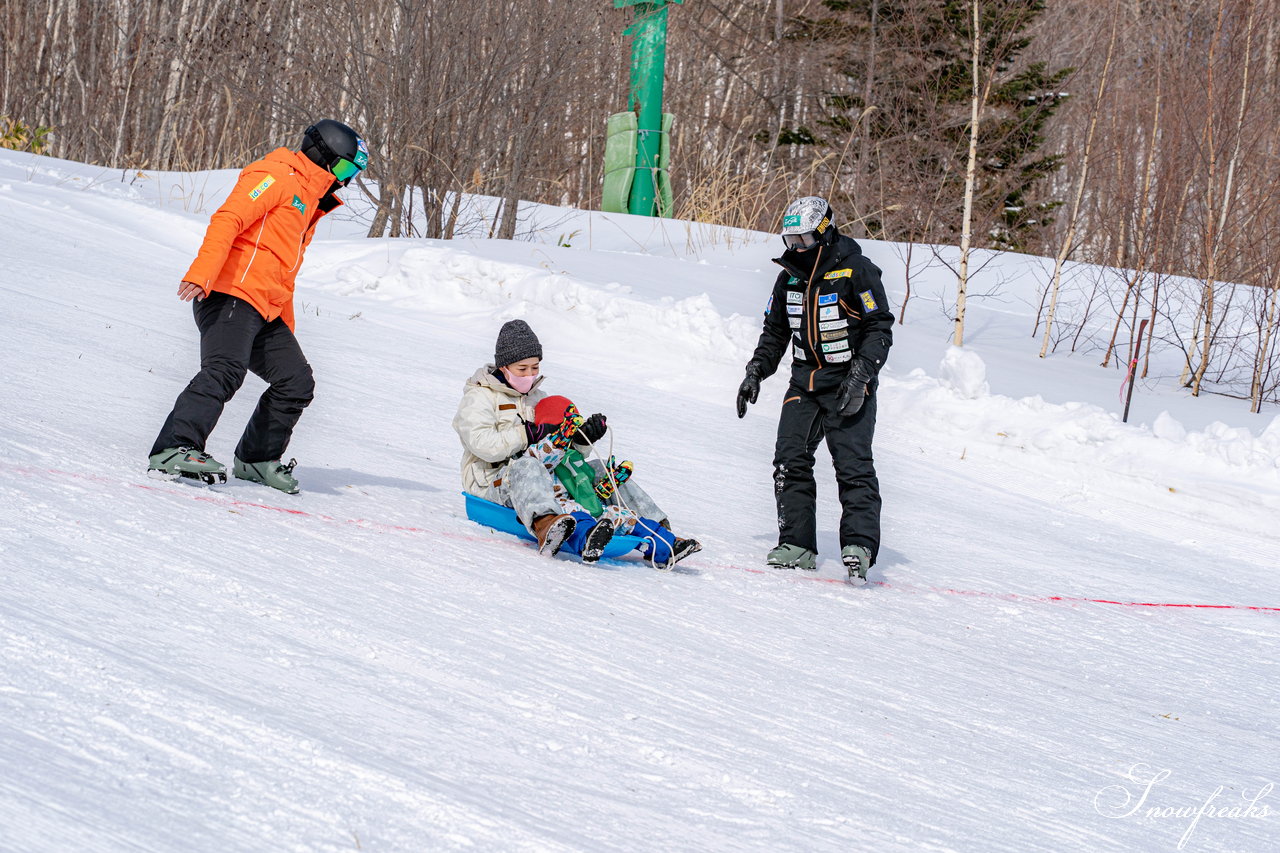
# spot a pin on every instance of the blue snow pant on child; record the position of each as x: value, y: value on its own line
x: 658, y: 540
x: 584, y: 525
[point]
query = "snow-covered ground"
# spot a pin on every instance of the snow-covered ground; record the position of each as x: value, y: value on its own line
x: 361, y: 668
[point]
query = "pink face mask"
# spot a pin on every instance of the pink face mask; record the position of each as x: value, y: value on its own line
x: 520, y: 383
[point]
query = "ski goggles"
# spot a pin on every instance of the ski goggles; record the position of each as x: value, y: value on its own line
x: 344, y: 169
x: 800, y: 242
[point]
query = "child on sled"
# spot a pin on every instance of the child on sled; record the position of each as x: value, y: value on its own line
x: 511, y: 456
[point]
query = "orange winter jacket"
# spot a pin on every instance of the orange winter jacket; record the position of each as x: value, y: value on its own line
x: 256, y: 240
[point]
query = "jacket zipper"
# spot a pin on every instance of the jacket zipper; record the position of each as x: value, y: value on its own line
x: 256, y: 242
x: 297, y: 257
x: 853, y: 315
x: 813, y: 320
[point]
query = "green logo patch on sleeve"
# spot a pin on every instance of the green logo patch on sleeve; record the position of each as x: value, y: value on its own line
x: 300, y: 204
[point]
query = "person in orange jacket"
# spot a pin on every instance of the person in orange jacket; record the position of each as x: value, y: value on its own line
x: 242, y: 282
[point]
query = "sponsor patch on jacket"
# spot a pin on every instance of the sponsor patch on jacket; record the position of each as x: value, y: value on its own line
x: 828, y: 299
x: 840, y: 356
x: 261, y: 188
x: 795, y: 296
x: 797, y: 352
x: 835, y: 346
x: 835, y: 336
x: 830, y: 312
x: 868, y: 301
x: 844, y: 273
x: 795, y: 322
x: 792, y: 281
x: 795, y: 309
x: 300, y: 205
x: 832, y: 325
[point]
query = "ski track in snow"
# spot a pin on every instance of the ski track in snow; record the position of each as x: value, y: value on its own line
x: 360, y: 667
x: 236, y: 505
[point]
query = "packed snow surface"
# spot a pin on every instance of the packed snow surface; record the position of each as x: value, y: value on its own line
x: 359, y: 667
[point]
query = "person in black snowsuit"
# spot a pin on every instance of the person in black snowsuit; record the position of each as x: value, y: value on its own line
x: 829, y: 306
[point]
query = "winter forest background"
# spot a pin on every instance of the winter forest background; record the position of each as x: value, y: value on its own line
x: 1135, y: 141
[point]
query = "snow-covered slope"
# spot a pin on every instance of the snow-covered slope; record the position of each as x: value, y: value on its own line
x: 360, y: 667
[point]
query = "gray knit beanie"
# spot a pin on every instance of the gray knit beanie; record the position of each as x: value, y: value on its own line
x: 516, y: 342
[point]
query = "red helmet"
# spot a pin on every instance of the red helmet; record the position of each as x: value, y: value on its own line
x: 551, y: 410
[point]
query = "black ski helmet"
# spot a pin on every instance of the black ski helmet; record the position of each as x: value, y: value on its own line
x: 328, y: 141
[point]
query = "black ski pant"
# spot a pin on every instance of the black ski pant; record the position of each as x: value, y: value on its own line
x: 235, y: 338
x: 807, y: 418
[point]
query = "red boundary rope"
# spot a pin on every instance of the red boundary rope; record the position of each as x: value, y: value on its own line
x: 397, y: 528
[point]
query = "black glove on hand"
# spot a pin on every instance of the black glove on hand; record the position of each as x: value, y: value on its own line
x: 592, y: 430
x: 537, y: 432
x: 853, y: 391
x: 749, y: 390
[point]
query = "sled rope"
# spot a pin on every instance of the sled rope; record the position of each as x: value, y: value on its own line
x: 381, y: 527
x: 617, y: 493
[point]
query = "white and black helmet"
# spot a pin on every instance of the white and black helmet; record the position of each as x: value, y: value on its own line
x: 807, y: 222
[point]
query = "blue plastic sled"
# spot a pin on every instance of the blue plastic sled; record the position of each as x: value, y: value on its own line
x: 504, y: 518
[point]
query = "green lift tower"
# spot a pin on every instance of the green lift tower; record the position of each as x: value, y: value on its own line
x: 638, y: 143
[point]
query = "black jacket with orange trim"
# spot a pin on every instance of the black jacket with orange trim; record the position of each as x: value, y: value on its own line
x: 830, y: 316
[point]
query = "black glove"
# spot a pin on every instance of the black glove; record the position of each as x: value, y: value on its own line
x: 592, y: 430
x: 329, y: 202
x: 853, y: 391
x: 537, y: 432
x: 749, y: 390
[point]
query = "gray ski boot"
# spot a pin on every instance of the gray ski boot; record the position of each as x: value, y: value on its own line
x: 792, y: 557
x: 857, y: 560
x: 175, y: 462
x: 275, y: 474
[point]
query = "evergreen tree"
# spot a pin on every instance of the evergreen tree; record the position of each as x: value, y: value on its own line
x: 898, y: 115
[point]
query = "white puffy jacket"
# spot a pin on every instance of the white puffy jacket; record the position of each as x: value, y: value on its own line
x: 490, y: 421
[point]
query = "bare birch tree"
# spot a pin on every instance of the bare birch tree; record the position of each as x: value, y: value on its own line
x: 977, y: 99
x: 1068, y: 239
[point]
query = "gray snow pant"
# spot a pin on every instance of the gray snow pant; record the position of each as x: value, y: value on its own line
x: 525, y: 485
x: 633, y: 496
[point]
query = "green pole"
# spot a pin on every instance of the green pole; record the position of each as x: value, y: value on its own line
x: 648, y: 33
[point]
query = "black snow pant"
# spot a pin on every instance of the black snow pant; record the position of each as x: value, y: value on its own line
x: 808, y: 417
x: 235, y: 338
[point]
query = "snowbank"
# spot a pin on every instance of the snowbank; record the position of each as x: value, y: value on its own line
x: 958, y: 404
